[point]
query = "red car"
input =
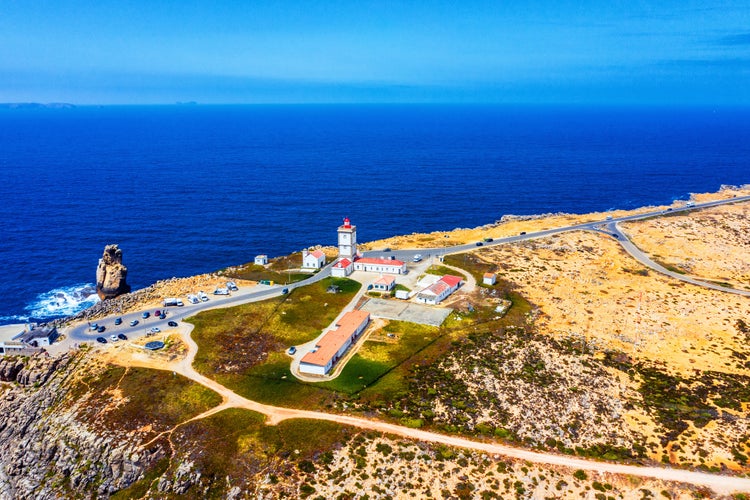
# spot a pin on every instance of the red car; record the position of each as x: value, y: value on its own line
x: 157, y: 313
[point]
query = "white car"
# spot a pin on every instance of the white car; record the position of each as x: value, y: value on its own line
x: 155, y: 330
x: 417, y: 258
x: 202, y: 295
x: 113, y: 338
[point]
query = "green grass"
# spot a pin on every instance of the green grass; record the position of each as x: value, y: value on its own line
x: 237, y: 444
x: 471, y: 263
x: 439, y: 270
x: 243, y: 347
x: 151, y: 397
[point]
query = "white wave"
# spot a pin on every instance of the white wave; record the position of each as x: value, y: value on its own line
x: 64, y: 301
x: 12, y: 318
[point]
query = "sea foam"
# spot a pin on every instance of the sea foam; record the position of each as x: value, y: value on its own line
x: 63, y: 301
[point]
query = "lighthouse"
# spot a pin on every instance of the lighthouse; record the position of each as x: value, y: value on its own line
x: 347, y: 240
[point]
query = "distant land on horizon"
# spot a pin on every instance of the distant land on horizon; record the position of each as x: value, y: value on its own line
x: 36, y: 105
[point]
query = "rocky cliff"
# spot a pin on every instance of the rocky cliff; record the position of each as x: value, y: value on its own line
x: 47, y: 450
x: 111, y: 274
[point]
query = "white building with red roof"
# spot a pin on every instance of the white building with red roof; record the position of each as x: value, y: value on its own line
x: 313, y: 260
x: 334, y: 344
x: 342, y: 268
x: 380, y: 265
x: 440, y: 290
x: 384, y: 283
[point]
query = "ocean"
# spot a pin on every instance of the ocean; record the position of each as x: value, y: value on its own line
x: 191, y: 189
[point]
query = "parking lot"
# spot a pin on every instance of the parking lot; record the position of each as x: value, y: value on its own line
x: 406, y: 311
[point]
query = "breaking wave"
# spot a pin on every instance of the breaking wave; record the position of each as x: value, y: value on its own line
x: 64, y: 301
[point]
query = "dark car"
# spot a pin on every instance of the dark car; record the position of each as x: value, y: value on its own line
x: 479, y: 244
x: 488, y: 240
x: 522, y: 233
x: 101, y: 328
x: 122, y: 336
x: 386, y: 249
x: 134, y: 322
x: 292, y: 350
x: 101, y: 340
x: 162, y: 316
x: 285, y: 291
x: 173, y: 324
x: 145, y: 315
x: 118, y: 321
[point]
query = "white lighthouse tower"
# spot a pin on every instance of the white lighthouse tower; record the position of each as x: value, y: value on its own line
x: 347, y: 240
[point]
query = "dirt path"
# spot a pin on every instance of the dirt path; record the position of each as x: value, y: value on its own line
x: 720, y: 484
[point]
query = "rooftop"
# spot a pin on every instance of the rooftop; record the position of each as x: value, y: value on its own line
x: 335, y: 338
x: 381, y: 261
x: 384, y: 280
x: 451, y: 280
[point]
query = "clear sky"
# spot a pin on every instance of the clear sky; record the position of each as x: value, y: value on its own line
x: 544, y: 51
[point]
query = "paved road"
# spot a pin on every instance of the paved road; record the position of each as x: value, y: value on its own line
x: 82, y: 333
x: 641, y: 257
x: 261, y: 292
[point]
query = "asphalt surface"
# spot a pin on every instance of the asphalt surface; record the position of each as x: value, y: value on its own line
x: 82, y: 333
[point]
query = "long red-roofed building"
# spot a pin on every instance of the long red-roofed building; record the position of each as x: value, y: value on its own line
x: 334, y: 344
x: 380, y: 265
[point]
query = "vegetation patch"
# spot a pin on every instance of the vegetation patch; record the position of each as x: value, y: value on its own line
x: 134, y: 398
x: 235, y: 448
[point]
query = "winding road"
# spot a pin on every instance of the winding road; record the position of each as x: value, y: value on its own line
x: 721, y: 484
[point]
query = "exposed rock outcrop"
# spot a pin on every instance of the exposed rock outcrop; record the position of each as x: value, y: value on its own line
x: 111, y: 274
x: 48, y: 448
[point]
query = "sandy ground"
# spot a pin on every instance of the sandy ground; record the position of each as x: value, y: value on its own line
x: 712, y: 243
x: 585, y: 285
x: 510, y: 225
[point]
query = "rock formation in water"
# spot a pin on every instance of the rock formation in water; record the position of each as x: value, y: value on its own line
x: 111, y: 274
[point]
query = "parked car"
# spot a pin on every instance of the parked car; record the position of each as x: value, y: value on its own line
x: 386, y: 249
x: 284, y: 291
x: 488, y: 240
x: 113, y: 338
x: 522, y: 233
x: 155, y: 330
x: 134, y: 322
x: 93, y: 326
x: 173, y: 324
x: 157, y: 313
x: 118, y: 321
x: 479, y: 244
x: 101, y: 328
x: 145, y: 315
x: 101, y: 340
x: 122, y: 336
x: 292, y: 350
x: 163, y: 315
x: 417, y: 258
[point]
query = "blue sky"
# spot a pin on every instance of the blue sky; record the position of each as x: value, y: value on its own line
x: 567, y: 52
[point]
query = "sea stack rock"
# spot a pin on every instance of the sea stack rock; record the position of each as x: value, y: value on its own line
x: 110, y: 274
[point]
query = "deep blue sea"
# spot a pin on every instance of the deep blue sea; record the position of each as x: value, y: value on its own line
x: 191, y: 189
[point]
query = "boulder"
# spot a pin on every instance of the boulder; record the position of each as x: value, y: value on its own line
x: 111, y: 274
